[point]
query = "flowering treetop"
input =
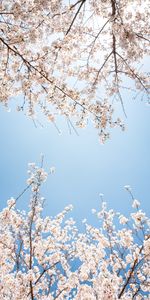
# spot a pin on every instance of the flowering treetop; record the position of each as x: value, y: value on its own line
x: 47, y: 258
x: 73, y: 57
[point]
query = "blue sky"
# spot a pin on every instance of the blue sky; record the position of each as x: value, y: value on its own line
x: 84, y: 167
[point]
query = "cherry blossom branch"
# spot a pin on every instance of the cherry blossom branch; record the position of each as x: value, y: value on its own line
x: 133, y: 73
x: 104, y: 63
x: 30, y: 67
x: 131, y: 272
x: 75, y: 16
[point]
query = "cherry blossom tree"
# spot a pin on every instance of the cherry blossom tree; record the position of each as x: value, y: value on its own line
x: 48, y: 258
x: 74, y: 57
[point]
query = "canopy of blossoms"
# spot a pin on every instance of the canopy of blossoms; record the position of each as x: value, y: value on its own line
x: 74, y: 58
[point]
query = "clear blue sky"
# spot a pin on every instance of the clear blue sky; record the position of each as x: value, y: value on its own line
x: 84, y: 167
